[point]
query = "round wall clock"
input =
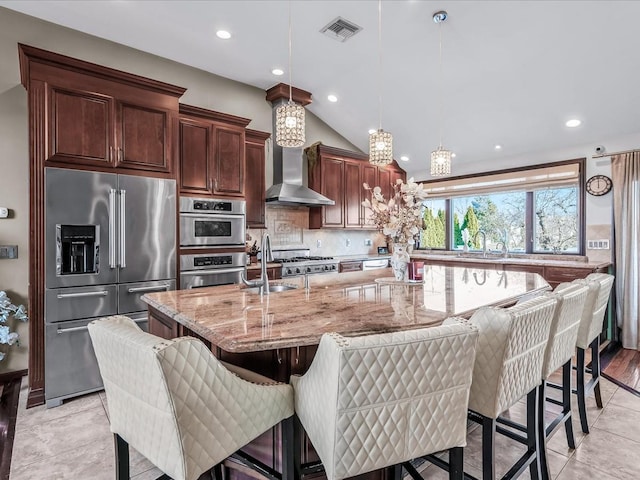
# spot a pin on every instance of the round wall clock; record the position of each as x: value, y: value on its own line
x: 599, y: 185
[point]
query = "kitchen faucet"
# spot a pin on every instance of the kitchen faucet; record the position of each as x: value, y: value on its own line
x: 484, y: 242
x: 267, y: 256
x: 505, y: 243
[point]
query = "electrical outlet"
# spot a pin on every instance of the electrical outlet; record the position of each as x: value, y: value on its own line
x: 348, y: 242
x: 367, y: 242
x: 318, y: 243
x: 4, y: 212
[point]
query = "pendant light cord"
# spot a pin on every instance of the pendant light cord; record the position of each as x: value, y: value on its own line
x: 441, y: 86
x: 290, y: 87
x: 380, y: 64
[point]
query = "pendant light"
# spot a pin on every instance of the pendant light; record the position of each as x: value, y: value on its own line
x: 441, y: 157
x: 380, y: 142
x: 290, y: 116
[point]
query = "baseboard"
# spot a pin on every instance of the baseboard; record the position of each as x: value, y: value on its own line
x: 35, y: 397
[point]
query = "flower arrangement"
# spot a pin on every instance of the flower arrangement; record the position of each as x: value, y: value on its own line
x: 400, y: 217
x: 8, y: 310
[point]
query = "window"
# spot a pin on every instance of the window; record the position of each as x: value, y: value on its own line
x: 529, y: 210
x: 500, y: 215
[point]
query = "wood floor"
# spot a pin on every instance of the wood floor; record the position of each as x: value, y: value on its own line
x: 624, y: 366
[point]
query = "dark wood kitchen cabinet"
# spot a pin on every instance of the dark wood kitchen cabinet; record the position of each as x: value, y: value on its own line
x: 211, y: 152
x: 255, y: 182
x: 106, y: 122
x: 273, y: 273
x: 86, y: 116
x: 339, y: 174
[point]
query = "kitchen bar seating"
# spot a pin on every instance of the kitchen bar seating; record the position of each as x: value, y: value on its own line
x: 589, y: 337
x: 571, y: 298
x: 382, y: 400
x: 508, y: 366
x: 180, y: 407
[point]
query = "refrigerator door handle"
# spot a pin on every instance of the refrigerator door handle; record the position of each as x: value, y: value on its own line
x: 123, y: 230
x: 112, y: 228
x: 101, y: 293
x: 155, y: 288
x: 82, y: 329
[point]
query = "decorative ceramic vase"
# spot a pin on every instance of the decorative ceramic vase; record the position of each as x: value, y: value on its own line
x: 399, y: 261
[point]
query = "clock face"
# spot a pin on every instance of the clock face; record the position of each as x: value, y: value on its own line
x: 599, y: 185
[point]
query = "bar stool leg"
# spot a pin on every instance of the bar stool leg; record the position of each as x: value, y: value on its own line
x: 122, y: 457
x: 566, y: 404
x: 595, y: 370
x: 456, y: 463
x: 542, y: 433
x: 533, y: 441
x: 288, y: 455
x: 582, y: 407
x: 488, y: 448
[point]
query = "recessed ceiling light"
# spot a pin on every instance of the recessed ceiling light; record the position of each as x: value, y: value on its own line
x: 223, y: 34
x: 498, y: 147
x: 372, y: 131
x: 332, y: 98
x: 277, y: 71
x: 453, y: 155
x: 404, y: 158
x: 574, y: 122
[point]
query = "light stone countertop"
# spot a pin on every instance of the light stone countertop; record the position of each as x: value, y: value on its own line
x: 353, y: 303
x: 499, y: 259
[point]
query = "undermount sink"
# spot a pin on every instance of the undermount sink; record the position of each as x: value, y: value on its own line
x: 273, y: 288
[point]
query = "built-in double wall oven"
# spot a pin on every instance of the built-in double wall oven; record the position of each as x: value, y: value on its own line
x: 217, y: 226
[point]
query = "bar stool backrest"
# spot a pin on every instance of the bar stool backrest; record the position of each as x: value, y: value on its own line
x: 595, y: 306
x: 175, y: 403
x: 561, y: 346
x: 379, y: 400
x: 511, y: 350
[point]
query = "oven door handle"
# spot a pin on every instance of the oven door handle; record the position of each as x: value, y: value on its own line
x: 212, y: 272
x: 212, y: 216
x: 154, y: 288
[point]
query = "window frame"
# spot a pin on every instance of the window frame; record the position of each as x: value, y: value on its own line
x: 529, y: 213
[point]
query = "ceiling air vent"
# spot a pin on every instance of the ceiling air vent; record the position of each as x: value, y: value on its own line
x: 340, y: 29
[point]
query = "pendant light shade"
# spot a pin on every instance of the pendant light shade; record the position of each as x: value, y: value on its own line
x: 440, y: 162
x: 440, y: 158
x: 290, y: 125
x: 380, y: 142
x: 380, y: 148
x: 290, y: 122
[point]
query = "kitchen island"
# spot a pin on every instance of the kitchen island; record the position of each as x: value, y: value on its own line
x: 277, y: 335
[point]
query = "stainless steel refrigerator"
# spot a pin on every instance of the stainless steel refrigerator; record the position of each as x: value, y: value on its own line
x: 109, y: 239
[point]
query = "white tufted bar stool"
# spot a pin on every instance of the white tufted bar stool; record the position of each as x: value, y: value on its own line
x: 175, y: 403
x: 571, y: 300
x: 508, y: 366
x: 589, y: 337
x: 377, y: 401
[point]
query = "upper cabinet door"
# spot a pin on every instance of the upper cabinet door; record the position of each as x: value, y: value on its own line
x: 370, y: 177
x: 384, y: 182
x: 352, y: 195
x: 255, y: 183
x: 80, y: 127
x: 195, y: 150
x: 333, y: 188
x: 143, y: 138
x: 229, y: 161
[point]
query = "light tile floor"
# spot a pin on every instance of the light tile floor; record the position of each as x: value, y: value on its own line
x: 73, y: 441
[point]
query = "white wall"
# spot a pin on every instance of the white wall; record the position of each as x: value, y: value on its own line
x: 203, y: 90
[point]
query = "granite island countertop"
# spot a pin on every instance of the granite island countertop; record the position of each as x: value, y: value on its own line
x: 354, y: 303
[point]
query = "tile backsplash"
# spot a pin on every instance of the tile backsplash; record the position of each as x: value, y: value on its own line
x: 289, y: 227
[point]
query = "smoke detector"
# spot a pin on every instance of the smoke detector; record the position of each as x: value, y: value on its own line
x: 340, y: 29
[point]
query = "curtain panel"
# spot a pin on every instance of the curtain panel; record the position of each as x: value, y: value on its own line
x: 625, y: 170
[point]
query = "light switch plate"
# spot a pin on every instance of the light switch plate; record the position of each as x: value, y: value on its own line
x: 8, y: 251
x: 4, y: 212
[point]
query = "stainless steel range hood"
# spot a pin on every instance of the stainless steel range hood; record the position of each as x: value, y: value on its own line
x: 288, y: 188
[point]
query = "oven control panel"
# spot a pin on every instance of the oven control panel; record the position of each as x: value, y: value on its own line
x: 202, y: 205
x: 213, y: 261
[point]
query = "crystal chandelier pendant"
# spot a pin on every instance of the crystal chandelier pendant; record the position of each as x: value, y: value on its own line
x: 290, y: 125
x: 440, y: 162
x: 380, y: 148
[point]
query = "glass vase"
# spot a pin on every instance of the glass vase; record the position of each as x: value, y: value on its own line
x: 399, y: 261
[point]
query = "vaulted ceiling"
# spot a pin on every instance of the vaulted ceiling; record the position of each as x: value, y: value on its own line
x: 514, y: 71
